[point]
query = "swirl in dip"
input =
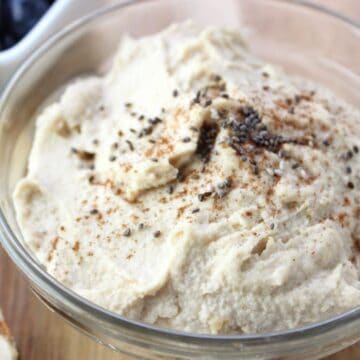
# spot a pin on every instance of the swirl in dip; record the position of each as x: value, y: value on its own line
x: 198, y: 188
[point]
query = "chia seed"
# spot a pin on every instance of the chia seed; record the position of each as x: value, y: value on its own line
x: 208, y: 103
x: 131, y: 146
x: 204, y: 195
x: 350, y: 185
x: 127, y: 232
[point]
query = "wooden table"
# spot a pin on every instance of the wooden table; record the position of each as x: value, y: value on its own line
x: 43, y: 335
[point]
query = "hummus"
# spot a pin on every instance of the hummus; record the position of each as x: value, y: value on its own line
x: 198, y: 188
x: 7, y: 346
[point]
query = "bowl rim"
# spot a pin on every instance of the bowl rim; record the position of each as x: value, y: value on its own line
x: 36, y: 274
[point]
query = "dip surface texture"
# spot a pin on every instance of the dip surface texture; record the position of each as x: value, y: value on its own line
x: 198, y: 188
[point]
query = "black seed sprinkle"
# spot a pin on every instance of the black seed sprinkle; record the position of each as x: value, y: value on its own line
x: 326, y: 142
x: 282, y: 154
x: 348, y: 170
x: 120, y: 133
x: 195, y: 211
x: 186, y: 139
x: 73, y: 150
x: 115, y: 145
x: 206, y: 141
x: 266, y: 88
x: 152, y: 141
x: 128, y: 105
x: 216, y: 77
x: 145, y: 131
x: 155, y: 121
x: 193, y: 128
x: 133, y: 114
x: 91, y: 179
x: 175, y: 93
x: 94, y: 211
x: 196, y: 100
x: 228, y: 183
x: 350, y: 185
x: 288, y: 101
x: 133, y: 131
x: 95, y: 141
x: 141, y: 226
x: 356, y: 149
x: 127, y: 232
x: 208, y: 102
x: 170, y: 189
x: 84, y: 155
x: 180, y: 176
x: 204, y: 195
x: 225, y: 96
x: 157, y: 233
x: 272, y: 226
x: 141, y: 117
x: 154, y: 159
x: 348, y: 155
x: 112, y: 158
x: 131, y: 146
x: 295, y: 166
x: 223, y: 188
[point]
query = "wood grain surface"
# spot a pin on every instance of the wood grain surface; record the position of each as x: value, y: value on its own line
x: 42, y: 335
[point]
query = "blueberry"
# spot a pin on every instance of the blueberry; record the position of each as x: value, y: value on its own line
x: 25, y: 14
x: 17, y: 17
x: 7, y: 41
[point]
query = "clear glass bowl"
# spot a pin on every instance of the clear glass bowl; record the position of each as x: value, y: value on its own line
x: 303, y: 39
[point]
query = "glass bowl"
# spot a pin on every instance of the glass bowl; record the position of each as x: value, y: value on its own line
x: 305, y: 40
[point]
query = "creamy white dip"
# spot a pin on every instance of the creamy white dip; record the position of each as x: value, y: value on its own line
x: 198, y: 188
